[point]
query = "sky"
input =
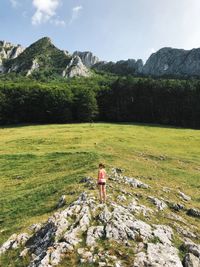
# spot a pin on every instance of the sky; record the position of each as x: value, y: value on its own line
x: 111, y: 29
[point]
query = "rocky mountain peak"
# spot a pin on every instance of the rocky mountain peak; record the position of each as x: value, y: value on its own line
x: 174, y: 62
x: 76, y: 68
x: 87, y: 58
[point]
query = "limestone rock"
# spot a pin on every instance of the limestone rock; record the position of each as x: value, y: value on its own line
x: 171, y: 61
x: 135, y: 183
x: 135, y: 208
x: 121, y: 198
x: 14, y: 242
x: 191, y: 261
x: 164, y: 233
x: 191, y: 247
x: 35, y: 66
x: 158, y: 255
x: 8, y: 51
x: 194, y: 212
x: 160, y: 204
x: 184, y: 196
x: 94, y: 233
x: 87, y: 58
x: 177, y: 206
x: 76, y: 68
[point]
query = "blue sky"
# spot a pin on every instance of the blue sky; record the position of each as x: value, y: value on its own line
x: 111, y: 29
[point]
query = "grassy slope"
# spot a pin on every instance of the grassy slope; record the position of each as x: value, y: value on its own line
x: 40, y: 163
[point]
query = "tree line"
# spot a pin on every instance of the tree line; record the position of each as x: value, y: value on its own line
x: 124, y: 99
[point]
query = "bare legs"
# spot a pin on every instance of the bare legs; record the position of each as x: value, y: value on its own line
x: 102, y: 193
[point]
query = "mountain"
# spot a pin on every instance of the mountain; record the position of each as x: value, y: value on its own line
x: 173, y: 62
x: 8, y: 51
x: 87, y: 58
x: 39, y: 56
x: 122, y: 67
x: 43, y: 56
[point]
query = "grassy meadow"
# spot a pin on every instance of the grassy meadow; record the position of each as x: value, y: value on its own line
x: 40, y: 163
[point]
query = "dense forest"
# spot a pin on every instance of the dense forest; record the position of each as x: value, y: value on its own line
x: 100, y: 98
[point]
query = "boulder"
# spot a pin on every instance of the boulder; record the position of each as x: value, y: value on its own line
x: 191, y: 261
x: 194, y: 212
x: 160, y: 204
x: 184, y: 196
x: 158, y: 255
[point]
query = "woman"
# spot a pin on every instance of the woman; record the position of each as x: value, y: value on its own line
x: 102, y: 182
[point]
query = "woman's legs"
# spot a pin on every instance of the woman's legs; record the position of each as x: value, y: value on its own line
x: 101, y: 193
x: 104, y: 192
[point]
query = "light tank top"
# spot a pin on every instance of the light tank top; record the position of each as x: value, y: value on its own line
x: 102, y: 176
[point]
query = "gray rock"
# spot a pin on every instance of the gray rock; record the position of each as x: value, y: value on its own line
x: 191, y: 247
x: 87, y: 58
x: 184, y: 196
x: 121, y: 198
x: 158, y: 255
x: 177, y: 206
x: 135, y: 208
x: 191, y: 261
x: 184, y: 231
x: 14, y: 242
x: 35, y: 227
x: 160, y: 204
x: 94, y: 233
x: 135, y: 183
x: 194, y: 212
x: 105, y: 215
x: 176, y: 62
x: 35, y: 66
x: 164, y: 233
x: 76, y: 68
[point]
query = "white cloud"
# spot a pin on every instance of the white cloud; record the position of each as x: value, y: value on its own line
x: 75, y: 13
x: 14, y: 3
x: 45, y: 10
x: 58, y: 22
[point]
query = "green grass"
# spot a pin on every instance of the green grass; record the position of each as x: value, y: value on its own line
x: 40, y: 163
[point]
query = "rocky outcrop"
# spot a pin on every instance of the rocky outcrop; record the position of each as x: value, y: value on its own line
x: 35, y: 66
x: 76, y: 68
x: 184, y: 196
x: 15, y: 241
x: 87, y: 58
x: 64, y: 232
x: 8, y: 51
x: 191, y: 261
x: 194, y: 212
x: 85, y: 226
x: 173, y: 62
x: 158, y: 255
x: 160, y: 204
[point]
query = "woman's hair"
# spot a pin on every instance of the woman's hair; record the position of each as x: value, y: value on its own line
x: 101, y: 165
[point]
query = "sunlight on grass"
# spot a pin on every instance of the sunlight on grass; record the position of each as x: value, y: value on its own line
x: 40, y: 163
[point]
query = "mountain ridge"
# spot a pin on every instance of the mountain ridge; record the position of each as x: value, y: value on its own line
x: 43, y: 55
